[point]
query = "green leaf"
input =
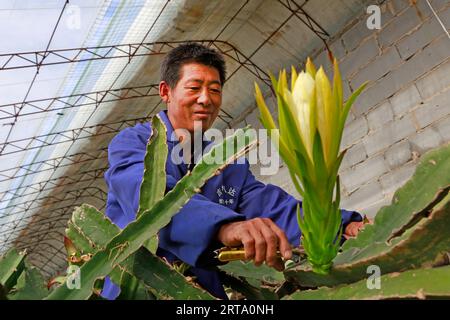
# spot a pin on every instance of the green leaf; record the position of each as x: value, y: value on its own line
x: 320, y: 167
x: 154, y: 179
x: 288, y: 127
x: 3, y: 293
x: 350, y: 102
x: 11, y: 266
x: 79, y: 240
x: 337, y: 86
x: 338, y: 98
x: 268, y: 123
x: 157, y: 275
x: 30, y: 286
x: 310, y: 67
x: 413, y: 284
x: 132, y: 286
x: 152, y: 244
x: 346, y: 110
x: 250, y: 292
x: 334, y: 172
x: 303, y: 173
x: 417, y: 196
x: 295, y: 180
x: 274, y: 81
x: 90, y: 230
x: 246, y: 269
x: 263, y: 109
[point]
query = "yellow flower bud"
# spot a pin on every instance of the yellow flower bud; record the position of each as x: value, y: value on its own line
x: 303, y: 104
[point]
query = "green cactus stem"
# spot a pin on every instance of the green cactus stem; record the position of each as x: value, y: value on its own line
x: 12, y: 265
x: 413, y: 284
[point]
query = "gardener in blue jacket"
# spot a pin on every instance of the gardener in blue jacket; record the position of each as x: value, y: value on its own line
x: 232, y: 209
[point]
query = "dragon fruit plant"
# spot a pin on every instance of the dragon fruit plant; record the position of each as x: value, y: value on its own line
x: 311, y: 118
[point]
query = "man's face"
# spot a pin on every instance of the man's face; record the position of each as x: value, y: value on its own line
x: 197, y: 97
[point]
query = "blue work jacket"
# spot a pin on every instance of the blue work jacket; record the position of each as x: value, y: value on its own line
x: 233, y: 195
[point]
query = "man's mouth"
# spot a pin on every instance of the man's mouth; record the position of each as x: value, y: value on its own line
x: 202, y: 114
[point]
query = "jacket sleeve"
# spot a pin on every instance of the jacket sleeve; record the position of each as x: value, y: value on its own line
x: 191, y: 235
x: 124, y: 176
x: 191, y: 232
x: 269, y: 201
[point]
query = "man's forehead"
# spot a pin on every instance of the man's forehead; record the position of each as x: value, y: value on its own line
x: 197, y: 80
x: 192, y: 72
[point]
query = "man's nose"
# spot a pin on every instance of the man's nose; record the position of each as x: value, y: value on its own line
x: 204, y: 97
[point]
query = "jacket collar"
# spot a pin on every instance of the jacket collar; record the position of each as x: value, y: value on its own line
x: 170, y: 136
x: 174, y: 140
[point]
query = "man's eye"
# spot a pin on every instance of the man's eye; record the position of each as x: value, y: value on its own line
x: 193, y: 88
x: 216, y: 90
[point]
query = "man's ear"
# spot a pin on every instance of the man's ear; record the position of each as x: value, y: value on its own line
x: 164, y: 91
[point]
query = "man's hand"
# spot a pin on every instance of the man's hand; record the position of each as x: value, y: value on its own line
x: 353, y: 228
x: 261, y: 238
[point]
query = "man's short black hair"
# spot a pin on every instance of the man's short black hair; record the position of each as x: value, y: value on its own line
x: 188, y: 53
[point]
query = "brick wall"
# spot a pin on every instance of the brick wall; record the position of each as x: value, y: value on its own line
x: 404, y: 112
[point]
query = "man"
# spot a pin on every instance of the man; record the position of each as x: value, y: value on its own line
x: 260, y: 217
